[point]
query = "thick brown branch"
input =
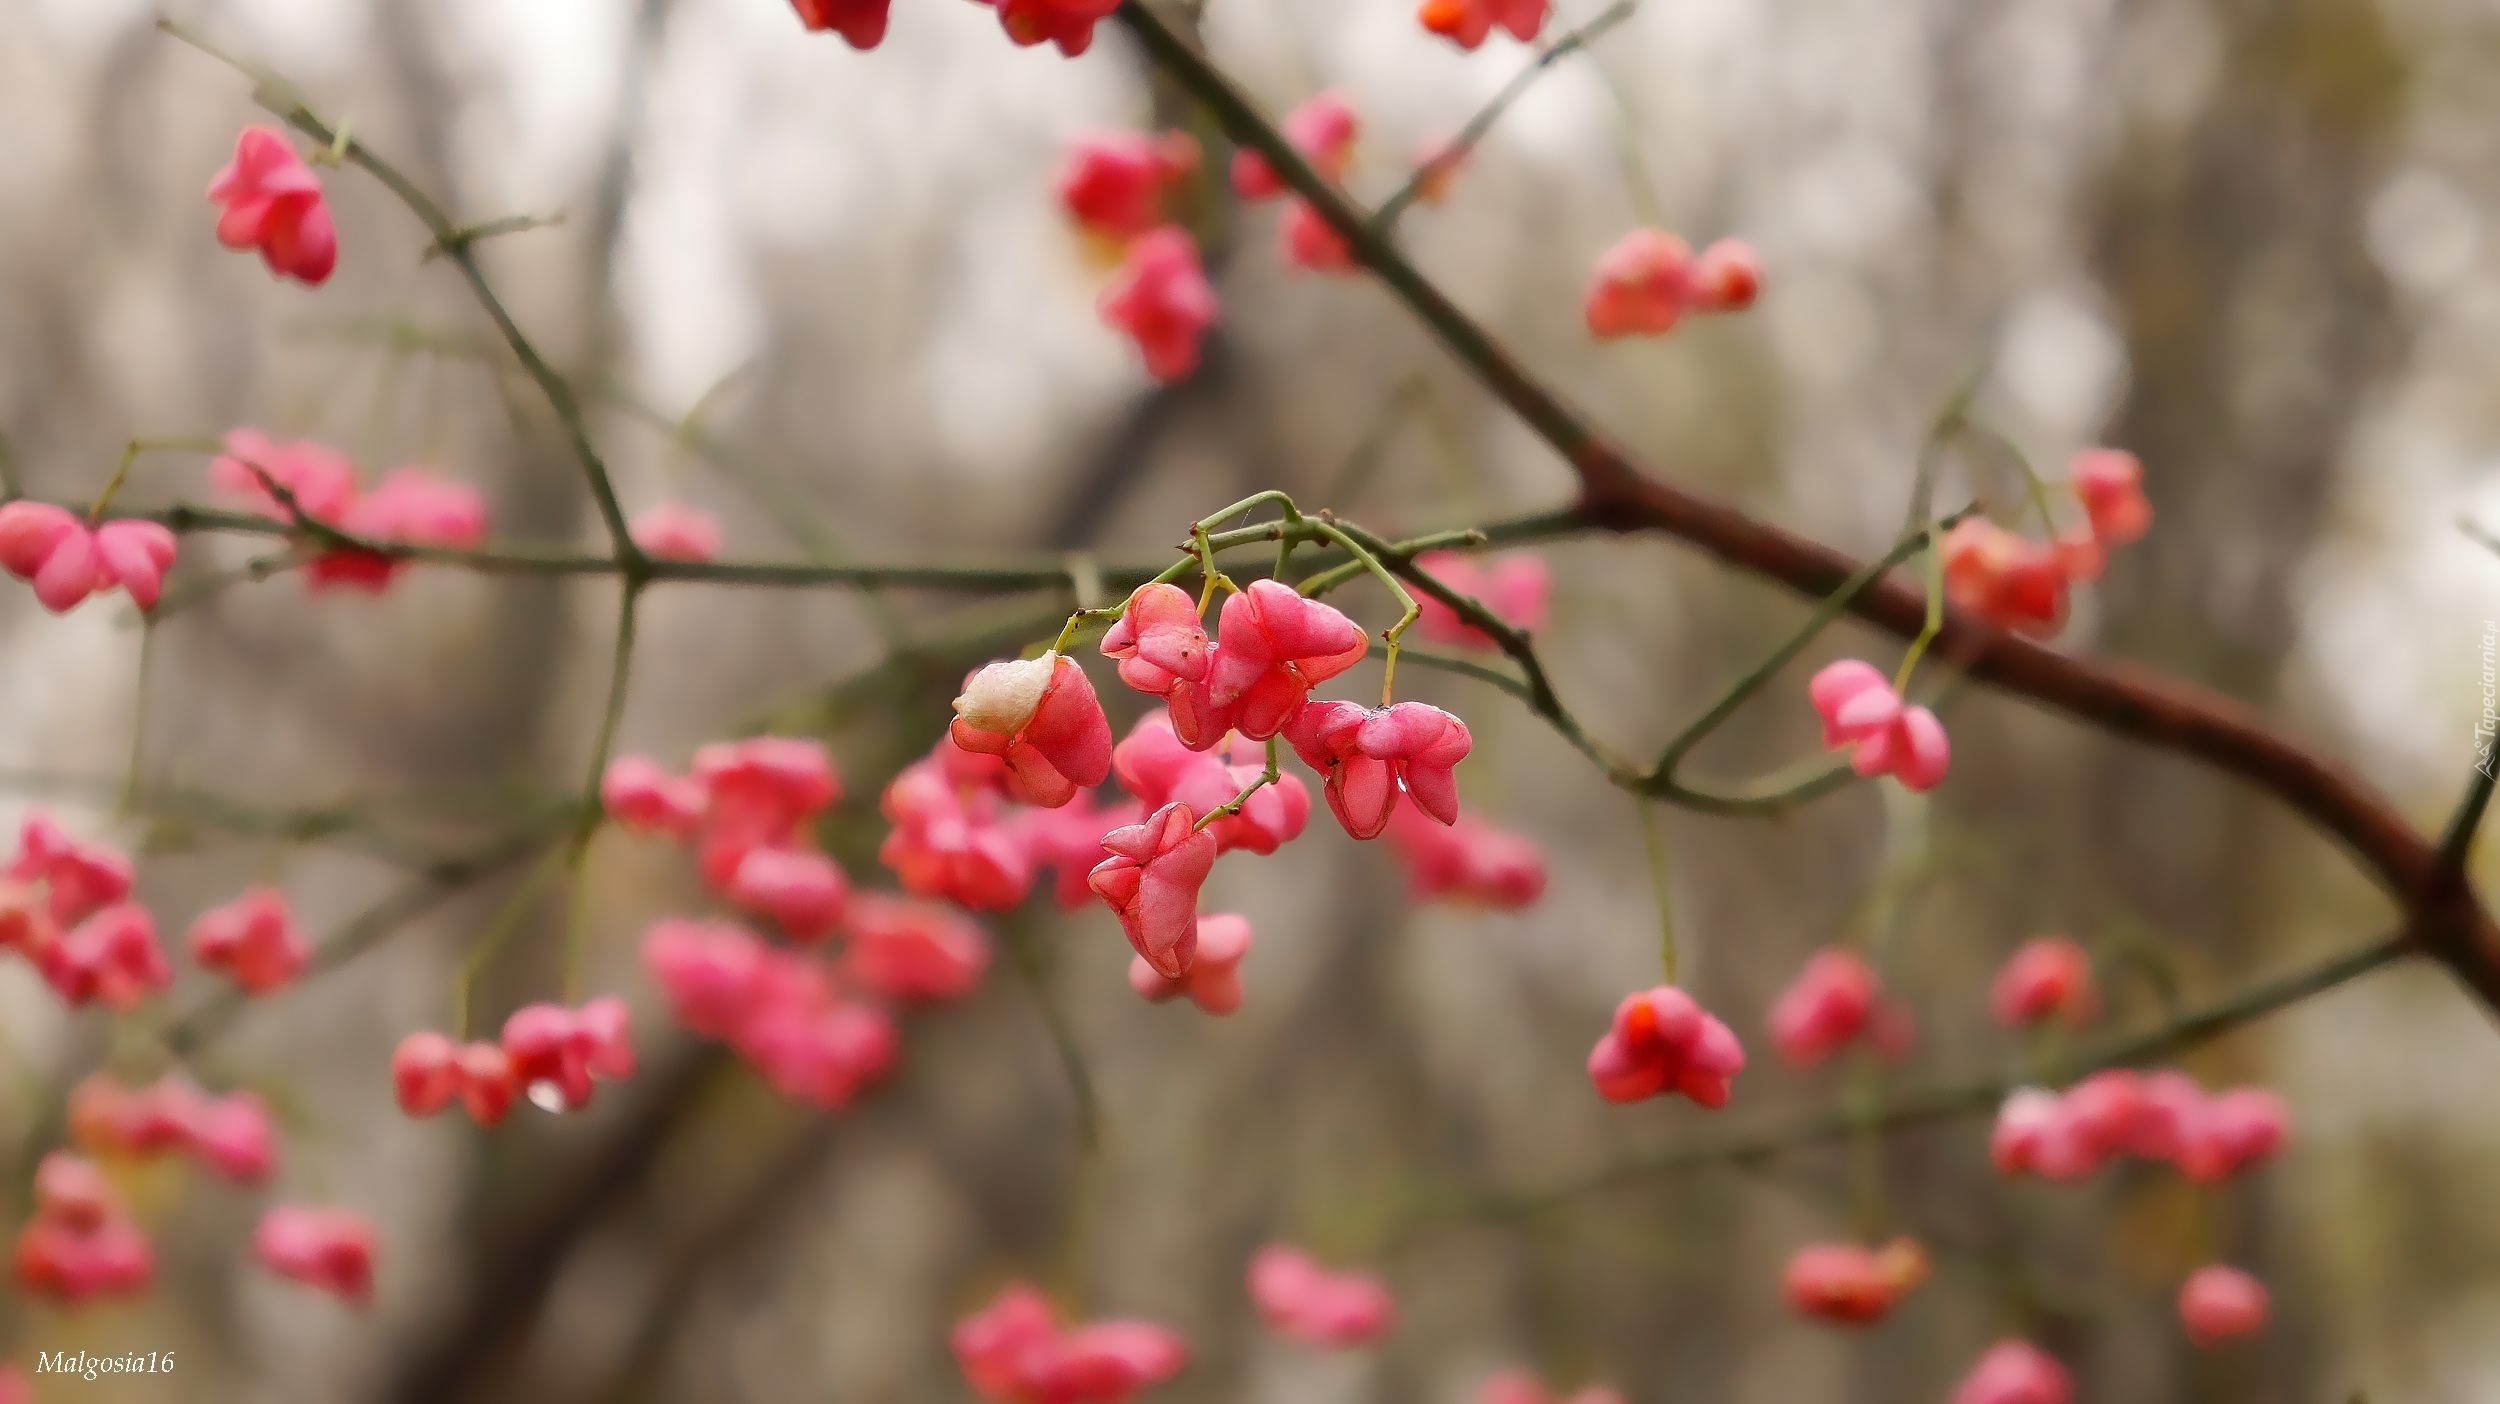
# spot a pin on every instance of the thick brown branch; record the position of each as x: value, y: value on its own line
x: 1616, y: 494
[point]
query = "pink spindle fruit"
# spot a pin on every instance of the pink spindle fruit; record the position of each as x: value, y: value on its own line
x: 2220, y: 1304
x: 269, y: 199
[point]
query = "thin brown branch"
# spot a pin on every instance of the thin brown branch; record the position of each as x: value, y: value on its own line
x: 1054, y: 574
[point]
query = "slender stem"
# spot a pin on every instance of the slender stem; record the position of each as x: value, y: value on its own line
x: 1232, y: 806
x: 1832, y: 607
x: 593, y: 810
x: 1636, y: 182
x: 1256, y: 499
x: 2036, y: 491
x: 1866, y: 1146
x: 1951, y: 417
x: 1932, y: 556
x: 576, y: 921
x: 131, y: 451
x: 1655, y: 845
x: 461, y: 238
x: 1371, y: 562
x: 113, y: 484
x: 499, y: 930
x: 1356, y: 471
x: 129, y: 802
x: 201, y: 589
x: 611, y: 715
x: 1324, y: 581
x: 1032, y: 966
x: 1067, y: 631
x: 1206, y: 568
x: 1476, y: 127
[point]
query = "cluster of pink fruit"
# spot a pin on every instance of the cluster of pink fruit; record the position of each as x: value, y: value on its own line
x: 817, y: 1030
x: 2021, y: 584
x: 746, y: 808
x: 1850, y: 1284
x: 1112, y: 186
x: 1254, y: 680
x: 67, y: 559
x: 1015, y: 1351
x: 82, y: 1242
x: 1009, y: 791
x: 65, y: 907
x: 548, y: 1053
x: 230, y: 1135
x: 296, y: 481
x: 270, y: 201
x: 2163, y: 1116
x: 1999, y: 576
x: 783, y: 1012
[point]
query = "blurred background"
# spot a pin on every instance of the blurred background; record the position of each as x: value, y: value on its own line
x: 828, y: 296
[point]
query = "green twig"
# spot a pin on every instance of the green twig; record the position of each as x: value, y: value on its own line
x: 1831, y: 608
x: 460, y: 239
x: 499, y: 930
x: 1032, y: 966
x: 1654, y: 845
x: 132, y: 450
x: 593, y: 811
x: 1477, y: 126
x: 201, y: 589
x: 129, y: 800
x: 1232, y: 806
x: 1372, y: 448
